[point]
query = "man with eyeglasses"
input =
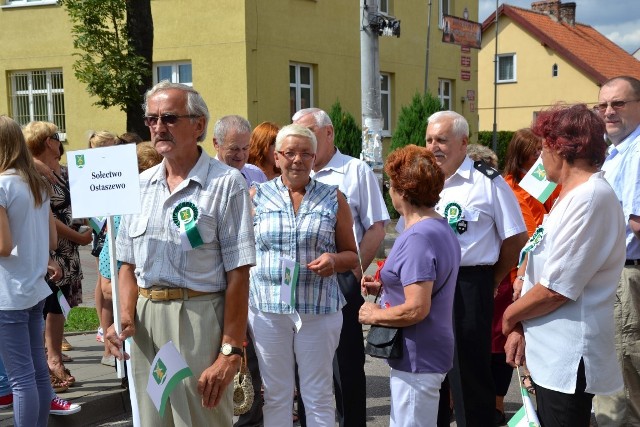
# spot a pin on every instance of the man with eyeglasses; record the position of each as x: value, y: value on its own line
x: 358, y: 183
x: 231, y: 139
x: 619, y: 106
x: 186, y: 260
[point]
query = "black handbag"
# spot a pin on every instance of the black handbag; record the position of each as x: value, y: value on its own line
x: 384, y: 342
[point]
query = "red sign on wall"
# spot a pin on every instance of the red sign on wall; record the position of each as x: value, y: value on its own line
x: 471, y: 95
x: 465, y: 75
x: 465, y: 61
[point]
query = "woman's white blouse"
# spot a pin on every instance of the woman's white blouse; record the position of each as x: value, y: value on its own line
x: 581, y: 256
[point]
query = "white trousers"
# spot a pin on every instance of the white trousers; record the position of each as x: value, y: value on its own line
x: 278, y: 346
x: 414, y: 399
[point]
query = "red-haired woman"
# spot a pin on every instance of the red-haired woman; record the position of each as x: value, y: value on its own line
x: 261, y: 149
x: 565, y: 313
x: 418, y: 282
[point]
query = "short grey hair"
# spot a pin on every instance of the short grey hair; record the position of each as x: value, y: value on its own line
x: 459, y: 124
x: 195, y: 103
x: 295, y: 130
x: 227, y: 123
x: 320, y: 116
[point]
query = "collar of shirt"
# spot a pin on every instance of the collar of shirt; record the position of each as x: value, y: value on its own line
x: 464, y: 170
x: 197, y: 173
x: 627, y: 142
x: 280, y: 185
x: 336, y: 164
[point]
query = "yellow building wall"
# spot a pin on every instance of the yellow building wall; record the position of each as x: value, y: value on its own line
x: 211, y: 35
x: 536, y: 89
x: 240, y: 53
x: 41, y: 39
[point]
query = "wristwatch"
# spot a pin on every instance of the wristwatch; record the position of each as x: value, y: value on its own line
x: 227, y: 350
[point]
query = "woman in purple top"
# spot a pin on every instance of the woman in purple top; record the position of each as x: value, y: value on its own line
x: 418, y: 283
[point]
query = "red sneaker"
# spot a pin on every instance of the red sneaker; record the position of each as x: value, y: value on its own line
x: 62, y: 407
x: 6, y: 401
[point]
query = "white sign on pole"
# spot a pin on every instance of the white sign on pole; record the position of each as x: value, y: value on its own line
x: 105, y: 182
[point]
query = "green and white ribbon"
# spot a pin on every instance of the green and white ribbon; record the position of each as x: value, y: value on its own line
x: 532, y: 243
x: 185, y: 216
x: 453, y: 214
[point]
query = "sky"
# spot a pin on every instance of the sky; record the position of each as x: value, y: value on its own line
x: 618, y: 20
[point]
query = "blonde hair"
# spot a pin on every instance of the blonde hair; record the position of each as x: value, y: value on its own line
x: 102, y: 138
x: 148, y: 157
x: 15, y: 155
x: 36, y: 134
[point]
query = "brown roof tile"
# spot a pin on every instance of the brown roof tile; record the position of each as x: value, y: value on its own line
x: 583, y: 46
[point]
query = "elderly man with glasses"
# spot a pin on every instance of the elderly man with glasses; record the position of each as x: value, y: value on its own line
x: 619, y: 106
x: 186, y: 260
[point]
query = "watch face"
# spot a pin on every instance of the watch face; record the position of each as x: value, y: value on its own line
x: 226, y: 349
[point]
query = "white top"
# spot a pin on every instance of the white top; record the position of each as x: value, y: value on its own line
x: 623, y: 173
x: 581, y: 257
x: 490, y: 209
x: 22, y: 283
x: 360, y: 186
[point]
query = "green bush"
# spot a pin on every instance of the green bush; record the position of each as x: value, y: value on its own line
x: 348, y: 135
x: 82, y: 319
x: 486, y: 138
x: 412, y: 121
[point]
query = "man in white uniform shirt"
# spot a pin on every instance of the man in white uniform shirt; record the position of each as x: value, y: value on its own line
x: 485, y: 215
x: 619, y: 106
x: 358, y: 183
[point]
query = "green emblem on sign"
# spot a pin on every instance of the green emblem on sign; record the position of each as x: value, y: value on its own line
x: 185, y: 213
x: 160, y: 372
x: 287, y: 276
x: 80, y: 160
x: 540, y: 174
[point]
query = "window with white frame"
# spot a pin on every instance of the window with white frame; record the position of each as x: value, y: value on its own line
x: 38, y: 96
x: 506, y: 68
x: 385, y: 102
x: 16, y: 3
x: 175, y: 72
x: 384, y: 6
x: 300, y: 87
x: 444, y: 93
x: 444, y: 10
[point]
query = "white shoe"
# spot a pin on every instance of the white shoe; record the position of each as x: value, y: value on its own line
x: 108, y: 361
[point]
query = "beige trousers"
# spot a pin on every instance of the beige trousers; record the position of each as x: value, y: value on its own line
x: 194, y: 326
x: 623, y: 409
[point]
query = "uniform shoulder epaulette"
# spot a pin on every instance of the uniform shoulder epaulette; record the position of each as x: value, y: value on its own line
x: 485, y: 169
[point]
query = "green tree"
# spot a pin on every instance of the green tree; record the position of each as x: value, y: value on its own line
x: 115, y: 43
x: 412, y: 121
x: 411, y: 129
x: 347, y: 133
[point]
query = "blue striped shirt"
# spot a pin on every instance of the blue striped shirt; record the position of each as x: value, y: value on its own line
x: 303, y: 237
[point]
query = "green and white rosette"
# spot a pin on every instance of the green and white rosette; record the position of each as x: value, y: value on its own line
x: 453, y: 214
x: 532, y: 243
x: 185, y: 216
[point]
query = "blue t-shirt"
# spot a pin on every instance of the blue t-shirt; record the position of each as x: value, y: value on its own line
x: 427, y: 251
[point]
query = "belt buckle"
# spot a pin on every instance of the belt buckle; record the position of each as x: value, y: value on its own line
x: 160, y: 294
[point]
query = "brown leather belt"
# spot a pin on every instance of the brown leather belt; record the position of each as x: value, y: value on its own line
x: 169, y: 294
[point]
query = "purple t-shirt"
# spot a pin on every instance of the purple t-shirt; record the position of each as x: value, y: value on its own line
x: 427, y: 251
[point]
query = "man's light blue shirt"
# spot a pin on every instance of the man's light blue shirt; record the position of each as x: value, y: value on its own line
x: 622, y: 171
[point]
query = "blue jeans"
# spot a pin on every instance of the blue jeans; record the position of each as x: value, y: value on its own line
x: 5, y: 388
x: 22, y: 350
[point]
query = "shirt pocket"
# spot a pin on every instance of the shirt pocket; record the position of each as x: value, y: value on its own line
x: 201, y: 259
x: 141, y: 246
